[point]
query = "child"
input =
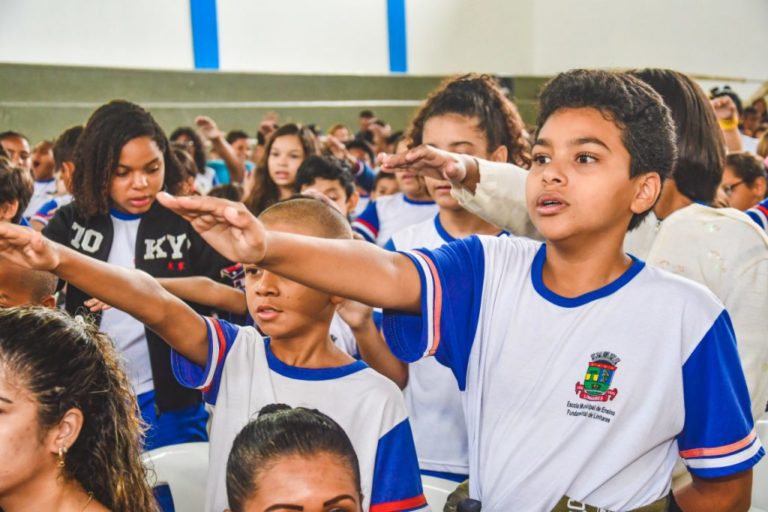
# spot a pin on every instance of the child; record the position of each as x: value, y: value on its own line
x: 385, y: 184
x: 15, y: 192
x: 43, y: 167
x: 241, y: 372
x: 299, y: 458
x: 744, y: 180
x: 16, y: 146
x: 123, y: 160
x: 189, y: 139
x: 233, y: 164
x: 518, y: 322
x: 388, y: 215
x: 331, y: 177
x: 275, y: 174
x: 468, y: 114
x: 71, y: 436
x: 64, y: 161
x: 23, y: 287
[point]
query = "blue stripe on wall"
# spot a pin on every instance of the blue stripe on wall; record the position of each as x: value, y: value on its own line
x: 205, y: 33
x: 398, y: 45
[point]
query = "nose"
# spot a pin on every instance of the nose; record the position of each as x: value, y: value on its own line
x: 553, y: 173
x: 266, y: 284
x: 140, y: 180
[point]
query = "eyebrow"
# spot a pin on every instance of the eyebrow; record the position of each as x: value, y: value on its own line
x: 338, y: 499
x: 143, y: 166
x: 6, y: 400
x: 574, y: 142
x: 283, y: 506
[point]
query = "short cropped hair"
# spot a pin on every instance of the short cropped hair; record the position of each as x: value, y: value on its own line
x: 64, y: 147
x: 746, y: 166
x: 321, y: 219
x: 698, y: 169
x: 38, y: 283
x: 10, y: 134
x: 327, y: 168
x: 15, y: 185
x: 236, y: 135
x: 647, y: 130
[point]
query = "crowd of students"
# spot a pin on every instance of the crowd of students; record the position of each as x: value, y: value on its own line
x: 569, y: 316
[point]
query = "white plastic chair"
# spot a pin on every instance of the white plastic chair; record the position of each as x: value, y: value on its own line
x: 760, y: 472
x: 437, y: 490
x: 184, y: 468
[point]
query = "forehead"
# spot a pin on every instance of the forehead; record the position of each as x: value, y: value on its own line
x: 307, y: 480
x: 17, y: 143
x: 144, y: 149
x: 452, y: 128
x: 287, y: 142
x: 572, y: 124
x: 324, y: 184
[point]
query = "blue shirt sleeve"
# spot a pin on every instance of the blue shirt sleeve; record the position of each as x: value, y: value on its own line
x: 396, y: 477
x: 221, y: 339
x: 390, y: 245
x: 45, y: 213
x: 367, y: 223
x: 365, y: 177
x: 451, y: 292
x: 718, y: 437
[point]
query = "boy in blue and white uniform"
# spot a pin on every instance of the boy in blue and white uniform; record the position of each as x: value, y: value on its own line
x: 389, y: 214
x: 585, y: 373
x: 240, y: 371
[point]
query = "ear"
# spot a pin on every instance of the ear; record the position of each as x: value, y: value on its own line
x: 9, y: 210
x: 759, y: 186
x: 647, y: 190
x: 65, y: 433
x: 352, y: 201
x: 49, y: 302
x: 500, y: 154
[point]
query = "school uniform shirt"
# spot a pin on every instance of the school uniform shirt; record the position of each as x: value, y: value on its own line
x: 722, y: 249
x: 389, y: 214
x: 759, y: 214
x: 48, y: 210
x: 165, y: 246
x: 591, y: 397
x: 43, y: 192
x: 432, y: 396
x: 243, y: 375
x: 205, y: 181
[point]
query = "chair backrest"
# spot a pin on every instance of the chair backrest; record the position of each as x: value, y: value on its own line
x: 760, y: 472
x: 437, y: 490
x: 184, y: 468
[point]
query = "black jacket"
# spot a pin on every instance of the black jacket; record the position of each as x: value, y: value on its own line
x: 166, y: 246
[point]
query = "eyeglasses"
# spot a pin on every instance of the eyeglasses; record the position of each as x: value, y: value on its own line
x: 728, y: 189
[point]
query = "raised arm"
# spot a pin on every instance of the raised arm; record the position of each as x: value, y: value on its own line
x: 211, y: 132
x: 361, y: 271
x: 129, y: 290
x: 206, y: 291
x: 494, y: 191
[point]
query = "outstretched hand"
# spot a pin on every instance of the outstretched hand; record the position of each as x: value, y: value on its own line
x: 427, y: 161
x: 27, y: 248
x: 227, y: 226
x: 207, y: 127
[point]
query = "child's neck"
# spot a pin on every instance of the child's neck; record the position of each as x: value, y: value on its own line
x: 309, y: 349
x: 421, y: 196
x: 285, y: 192
x: 574, y: 269
x: 460, y: 223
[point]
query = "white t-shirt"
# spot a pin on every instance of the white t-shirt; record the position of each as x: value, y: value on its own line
x: 389, y: 214
x: 723, y: 249
x: 127, y: 333
x: 43, y: 192
x: 243, y: 375
x: 591, y: 397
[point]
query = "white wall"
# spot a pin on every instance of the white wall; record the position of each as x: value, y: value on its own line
x: 153, y: 34
x: 529, y: 37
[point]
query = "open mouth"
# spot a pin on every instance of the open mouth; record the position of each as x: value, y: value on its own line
x: 265, y: 312
x: 548, y: 204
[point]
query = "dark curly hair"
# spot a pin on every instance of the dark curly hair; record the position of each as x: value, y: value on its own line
x: 197, y: 144
x: 98, y: 149
x: 637, y: 110
x: 264, y: 192
x: 700, y: 142
x: 65, y: 364
x: 479, y: 96
x: 15, y: 185
x: 280, y: 431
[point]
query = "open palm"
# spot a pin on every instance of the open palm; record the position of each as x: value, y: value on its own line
x: 27, y: 248
x: 227, y: 226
